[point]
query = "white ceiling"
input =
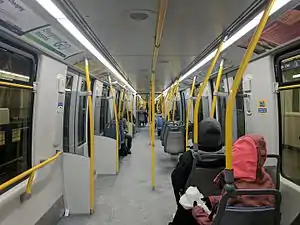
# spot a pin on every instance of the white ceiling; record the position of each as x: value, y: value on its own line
x: 190, y: 26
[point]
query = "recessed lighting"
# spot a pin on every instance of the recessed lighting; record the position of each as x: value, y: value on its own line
x: 138, y: 16
x: 163, y: 61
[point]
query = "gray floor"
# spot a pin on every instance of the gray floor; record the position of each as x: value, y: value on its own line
x: 128, y: 199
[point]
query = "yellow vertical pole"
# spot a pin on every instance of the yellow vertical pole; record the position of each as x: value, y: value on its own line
x: 190, y: 101
x: 117, y: 123
x: 149, y: 116
x: 175, y: 100
x: 153, y: 130
x: 237, y: 81
x: 120, y: 103
x: 131, y: 110
x: 218, y: 81
x: 91, y: 132
x: 162, y: 105
x: 124, y: 106
x: 201, y: 90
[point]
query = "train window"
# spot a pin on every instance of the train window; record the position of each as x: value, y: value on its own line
x: 222, y: 103
x: 81, y: 129
x: 240, y: 114
x: 290, y: 69
x: 290, y: 119
x: 15, y: 131
x: 290, y: 129
x: 68, y: 93
x: 82, y: 120
x: 104, y: 110
x: 16, y: 105
x: 15, y: 67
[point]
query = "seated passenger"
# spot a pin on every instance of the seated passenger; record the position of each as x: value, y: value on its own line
x: 249, y: 156
x: 210, y: 140
x: 128, y: 138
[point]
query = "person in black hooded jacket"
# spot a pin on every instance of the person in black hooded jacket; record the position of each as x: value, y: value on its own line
x: 210, y: 140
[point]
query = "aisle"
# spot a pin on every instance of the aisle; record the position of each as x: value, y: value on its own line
x: 127, y: 199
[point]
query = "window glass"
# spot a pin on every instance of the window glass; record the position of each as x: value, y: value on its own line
x: 104, y: 109
x: 240, y: 114
x: 290, y: 130
x: 290, y: 69
x: 15, y: 67
x: 15, y: 131
x: 82, y: 120
x: 68, y: 93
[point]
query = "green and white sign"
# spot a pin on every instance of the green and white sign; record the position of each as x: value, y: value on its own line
x: 17, y: 17
x: 52, y: 40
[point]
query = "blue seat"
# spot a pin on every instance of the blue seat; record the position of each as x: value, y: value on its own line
x: 110, y: 131
x: 230, y: 215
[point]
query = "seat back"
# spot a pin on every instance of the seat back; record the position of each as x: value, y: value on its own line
x: 141, y: 117
x: 274, y: 170
x: 248, y: 216
x: 174, y: 140
x: 122, y: 132
x: 203, y: 177
x: 163, y: 132
x: 110, y: 131
x: 229, y: 215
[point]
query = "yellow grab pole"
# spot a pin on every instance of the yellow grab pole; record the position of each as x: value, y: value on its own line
x: 190, y: 101
x: 237, y: 81
x: 169, y: 101
x: 201, y: 90
x: 117, y: 123
x: 153, y: 131
x: 218, y: 81
x: 162, y: 105
x: 120, y: 104
x: 175, y: 100
x: 131, y: 110
x: 124, y: 104
x: 91, y: 132
x: 127, y: 111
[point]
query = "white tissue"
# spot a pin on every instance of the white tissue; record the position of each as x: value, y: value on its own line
x: 192, y: 195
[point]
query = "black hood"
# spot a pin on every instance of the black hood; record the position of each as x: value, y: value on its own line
x: 210, y: 135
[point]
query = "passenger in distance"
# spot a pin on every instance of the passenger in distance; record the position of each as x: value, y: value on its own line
x: 159, y: 124
x: 128, y: 138
x: 249, y: 156
x: 210, y: 140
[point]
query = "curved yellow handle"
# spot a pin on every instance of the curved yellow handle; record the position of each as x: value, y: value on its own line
x: 237, y: 81
x: 190, y: 101
x: 218, y: 81
x: 201, y: 90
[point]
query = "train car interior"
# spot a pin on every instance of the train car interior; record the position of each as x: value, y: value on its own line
x: 143, y: 112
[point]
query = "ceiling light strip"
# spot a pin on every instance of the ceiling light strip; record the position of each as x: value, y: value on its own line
x: 239, y: 34
x: 53, y: 10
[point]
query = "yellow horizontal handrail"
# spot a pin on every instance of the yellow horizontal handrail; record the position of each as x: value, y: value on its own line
x: 289, y: 87
x: 15, y: 85
x: 29, y: 171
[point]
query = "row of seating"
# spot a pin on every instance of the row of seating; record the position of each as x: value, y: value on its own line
x: 173, y: 137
